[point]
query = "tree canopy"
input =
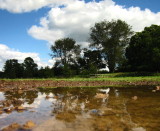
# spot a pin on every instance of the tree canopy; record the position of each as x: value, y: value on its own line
x: 30, y: 67
x: 91, y: 57
x: 13, y: 69
x: 143, y: 52
x: 66, y: 49
x: 112, y: 38
x: 112, y: 44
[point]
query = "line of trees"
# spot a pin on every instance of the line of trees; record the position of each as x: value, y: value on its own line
x: 143, y: 52
x: 113, y: 44
x: 14, y: 69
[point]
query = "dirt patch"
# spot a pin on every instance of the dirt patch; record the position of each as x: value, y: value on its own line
x: 33, y: 84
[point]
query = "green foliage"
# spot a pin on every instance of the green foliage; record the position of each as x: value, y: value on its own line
x: 45, y: 72
x: 143, y: 52
x: 67, y: 71
x: 12, y: 69
x: 90, y: 62
x: 1, y: 74
x: 90, y: 70
x: 58, y: 71
x: 109, y: 43
x: 66, y: 49
x: 94, y: 57
x: 112, y: 38
x: 30, y: 68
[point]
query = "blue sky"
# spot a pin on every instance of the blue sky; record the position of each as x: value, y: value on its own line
x: 153, y: 5
x: 13, y: 31
x: 29, y: 30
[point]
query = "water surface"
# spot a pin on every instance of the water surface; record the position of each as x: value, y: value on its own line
x: 81, y: 109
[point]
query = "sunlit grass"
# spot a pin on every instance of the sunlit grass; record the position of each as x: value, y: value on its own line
x: 105, y: 77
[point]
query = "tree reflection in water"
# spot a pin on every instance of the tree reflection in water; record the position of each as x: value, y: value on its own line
x: 27, y: 96
x: 79, y: 107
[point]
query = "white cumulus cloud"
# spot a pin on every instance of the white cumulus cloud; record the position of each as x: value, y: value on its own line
x: 8, y: 53
x: 72, y: 18
x: 20, y: 6
x: 77, y: 17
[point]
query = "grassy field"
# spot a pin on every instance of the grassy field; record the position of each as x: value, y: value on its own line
x: 129, y: 77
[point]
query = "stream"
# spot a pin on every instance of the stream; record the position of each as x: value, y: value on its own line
x: 77, y: 109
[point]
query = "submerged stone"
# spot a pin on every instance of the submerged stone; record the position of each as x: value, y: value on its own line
x: 153, y: 90
x: 157, y: 88
x: 8, y: 110
x: 101, y: 95
x: 66, y: 116
x: 20, y: 108
x: 29, y: 125
x: 96, y: 112
x: 13, y: 126
x: 138, y: 129
x: 134, y: 98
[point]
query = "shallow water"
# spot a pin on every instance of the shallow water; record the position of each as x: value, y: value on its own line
x: 83, y: 109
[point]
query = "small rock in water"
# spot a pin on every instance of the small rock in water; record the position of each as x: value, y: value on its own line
x: 138, y: 129
x: 8, y: 110
x: 153, y: 90
x: 29, y: 125
x: 47, y: 97
x: 20, y: 108
x: 96, y: 112
x: 134, y: 98
x: 55, y: 97
x: 101, y: 95
x: 13, y: 126
x: 157, y: 88
x: 20, y: 91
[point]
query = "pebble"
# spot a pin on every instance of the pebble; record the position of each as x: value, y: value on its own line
x: 20, y: 108
x: 29, y: 125
x: 134, y: 98
x: 153, y: 90
x: 157, y: 88
x: 7, y: 109
x: 11, y: 127
x: 101, y: 95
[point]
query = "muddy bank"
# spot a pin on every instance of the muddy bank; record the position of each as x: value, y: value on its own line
x: 32, y: 84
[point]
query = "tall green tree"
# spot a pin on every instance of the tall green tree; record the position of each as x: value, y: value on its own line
x: 1, y: 74
x: 13, y: 69
x: 66, y: 49
x: 91, y: 58
x: 94, y: 57
x: 46, y: 72
x: 143, y: 52
x: 30, y: 68
x: 112, y: 38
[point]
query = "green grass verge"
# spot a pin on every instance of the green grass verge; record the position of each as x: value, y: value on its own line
x: 115, y: 77
x: 127, y: 79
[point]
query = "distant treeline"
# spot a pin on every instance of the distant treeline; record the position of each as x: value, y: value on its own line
x: 112, y: 44
x: 29, y: 69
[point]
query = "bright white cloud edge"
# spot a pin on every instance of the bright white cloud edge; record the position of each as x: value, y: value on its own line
x: 8, y: 53
x: 21, y: 6
x: 75, y: 20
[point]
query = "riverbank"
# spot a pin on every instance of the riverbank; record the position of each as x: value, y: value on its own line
x: 33, y: 84
x: 26, y: 97
x: 99, y: 80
